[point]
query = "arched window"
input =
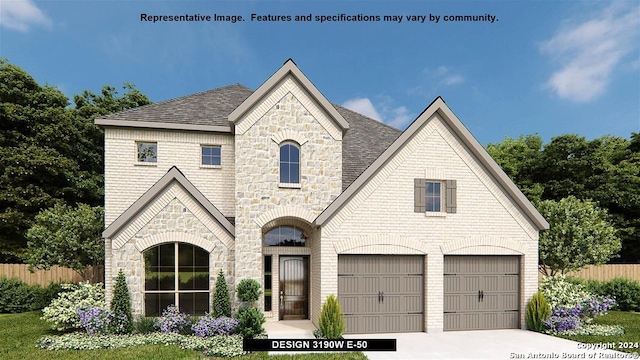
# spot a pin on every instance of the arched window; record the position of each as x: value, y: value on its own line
x: 285, y: 236
x: 176, y: 273
x: 289, y: 163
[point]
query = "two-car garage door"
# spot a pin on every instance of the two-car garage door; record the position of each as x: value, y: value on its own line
x: 385, y: 293
x: 381, y: 293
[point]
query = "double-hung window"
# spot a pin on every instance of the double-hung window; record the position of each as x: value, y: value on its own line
x: 289, y: 163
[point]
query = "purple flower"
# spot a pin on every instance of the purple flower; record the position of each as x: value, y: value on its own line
x: 210, y: 326
x: 94, y: 320
x: 173, y: 320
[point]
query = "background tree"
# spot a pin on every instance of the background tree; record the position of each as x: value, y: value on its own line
x: 69, y: 237
x: 580, y: 234
x: 50, y: 152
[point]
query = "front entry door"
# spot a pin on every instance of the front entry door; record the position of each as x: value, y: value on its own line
x: 294, y: 287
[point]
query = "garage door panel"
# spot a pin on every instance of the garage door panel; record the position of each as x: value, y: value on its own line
x: 381, y: 293
x: 481, y: 292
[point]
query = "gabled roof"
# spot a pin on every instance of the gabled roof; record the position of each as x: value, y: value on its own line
x: 440, y: 107
x: 289, y: 68
x: 173, y: 175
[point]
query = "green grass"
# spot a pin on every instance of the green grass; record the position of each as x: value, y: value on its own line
x: 19, y: 332
x: 629, y: 320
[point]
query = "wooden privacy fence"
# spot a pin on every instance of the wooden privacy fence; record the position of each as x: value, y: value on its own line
x: 44, y: 277
x: 606, y: 272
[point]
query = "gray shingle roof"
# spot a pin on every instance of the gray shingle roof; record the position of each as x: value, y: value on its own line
x: 363, y: 142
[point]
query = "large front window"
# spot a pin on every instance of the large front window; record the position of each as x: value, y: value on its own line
x: 178, y: 274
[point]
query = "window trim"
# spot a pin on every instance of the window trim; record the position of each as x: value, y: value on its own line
x: 292, y: 185
x: 440, y: 196
x: 176, y: 285
x: 214, y: 166
x: 137, y: 153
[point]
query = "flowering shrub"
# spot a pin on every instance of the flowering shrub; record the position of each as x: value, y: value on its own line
x: 210, y: 326
x: 61, y: 313
x: 572, y: 318
x: 94, y: 320
x: 597, y: 330
x: 559, y: 292
x: 173, y: 320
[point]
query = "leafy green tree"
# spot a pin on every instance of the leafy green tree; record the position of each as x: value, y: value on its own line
x: 580, y: 234
x: 122, y: 320
x: 221, y: 300
x: 49, y: 152
x: 520, y: 160
x: 68, y: 237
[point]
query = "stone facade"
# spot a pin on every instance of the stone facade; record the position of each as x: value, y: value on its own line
x: 259, y: 193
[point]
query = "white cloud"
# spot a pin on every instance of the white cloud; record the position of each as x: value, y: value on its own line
x: 589, y: 51
x: 444, y: 76
x: 21, y: 14
x: 363, y: 106
x: 397, y: 117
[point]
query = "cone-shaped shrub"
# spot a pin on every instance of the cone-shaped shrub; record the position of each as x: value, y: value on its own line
x: 122, y: 321
x: 332, y: 323
x: 221, y: 303
x: 538, y: 311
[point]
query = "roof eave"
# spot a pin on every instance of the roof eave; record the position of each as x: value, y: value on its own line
x: 160, y: 126
x: 289, y: 68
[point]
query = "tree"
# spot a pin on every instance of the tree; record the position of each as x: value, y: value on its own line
x: 50, y: 152
x: 122, y: 321
x: 68, y: 237
x: 221, y: 300
x: 580, y: 234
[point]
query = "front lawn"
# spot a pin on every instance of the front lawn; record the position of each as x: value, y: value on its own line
x: 631, y: 323
x: 19, y: 333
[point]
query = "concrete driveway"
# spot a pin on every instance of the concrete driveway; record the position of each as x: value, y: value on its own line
x: 489, y: 344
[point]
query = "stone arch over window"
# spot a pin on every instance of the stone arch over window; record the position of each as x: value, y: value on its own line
x: 176, y: 273
x: 174, y: 236
x: 289, y: 162
x: 289, y: 135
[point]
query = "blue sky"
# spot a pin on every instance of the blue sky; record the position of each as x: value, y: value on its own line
x: 547, y: 67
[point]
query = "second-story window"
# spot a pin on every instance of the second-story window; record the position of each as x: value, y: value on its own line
x: 289, y: 163
x: 147, y: 152
x: 210, y: 155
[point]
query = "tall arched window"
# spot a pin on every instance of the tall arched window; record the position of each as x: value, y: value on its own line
x: 289, y: 163
x: 176, y: 273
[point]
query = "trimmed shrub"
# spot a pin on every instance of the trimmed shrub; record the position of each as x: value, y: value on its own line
x: 625, y: 291
x: 250, y: 320
x: 211, y: 326
x: 61, y: 313
x: 47, y: 294
x: 122, y: 319
x: 221, y: 302
x: 538, y: 311
x: 248, y: 290
x: 332, y: 324
x: 16, y: 296
x: 173, y: 320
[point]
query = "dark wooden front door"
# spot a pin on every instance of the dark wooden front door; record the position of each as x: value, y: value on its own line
x: 294, y: 287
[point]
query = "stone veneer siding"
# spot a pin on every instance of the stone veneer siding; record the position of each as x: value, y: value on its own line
x: 175, y: 222
x: 380, y: 219
x: 286, y: 111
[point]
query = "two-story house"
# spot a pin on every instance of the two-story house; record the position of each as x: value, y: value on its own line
x: 413, y: 231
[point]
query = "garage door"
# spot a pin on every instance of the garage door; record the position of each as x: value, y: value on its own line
x: 481, y: 292
x: 381, y: 293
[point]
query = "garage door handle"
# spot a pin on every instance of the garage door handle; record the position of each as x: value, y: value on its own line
x: 479, y: 295
x: 382, y: 297
x: 379, y: 296
x: 482, y: 295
